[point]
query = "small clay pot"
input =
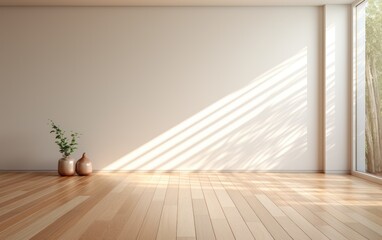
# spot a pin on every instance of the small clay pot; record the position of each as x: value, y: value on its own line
x: 84, y: 166
x: 66, y: 166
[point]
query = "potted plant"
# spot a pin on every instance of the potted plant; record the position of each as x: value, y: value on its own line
x: 67, y: 146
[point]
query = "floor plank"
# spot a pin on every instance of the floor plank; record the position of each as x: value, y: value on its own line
x: 167, y: 225
x: 185, y: 224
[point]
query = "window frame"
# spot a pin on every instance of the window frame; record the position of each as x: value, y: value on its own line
x: 354, y: 91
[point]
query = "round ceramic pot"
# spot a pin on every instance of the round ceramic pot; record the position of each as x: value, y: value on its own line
x: 66, y: 166
x: 84, y: 166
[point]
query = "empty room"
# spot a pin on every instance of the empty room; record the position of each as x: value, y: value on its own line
x: 191, y: 119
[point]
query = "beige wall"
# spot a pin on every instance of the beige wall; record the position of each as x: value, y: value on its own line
x: 163, y: 88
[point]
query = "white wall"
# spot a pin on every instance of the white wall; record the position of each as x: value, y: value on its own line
x: 163, y: 88
x: 338, y: 88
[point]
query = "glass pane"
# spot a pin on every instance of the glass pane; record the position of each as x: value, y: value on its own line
x: 373, y: 126
x: 369, y: 87
x: 360, y: 65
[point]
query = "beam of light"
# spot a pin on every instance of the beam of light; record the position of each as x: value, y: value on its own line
x: 168, y: 135
x: 330, y: 89
x: 174, y: 148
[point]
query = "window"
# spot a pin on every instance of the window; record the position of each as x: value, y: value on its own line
x: 368, y: 42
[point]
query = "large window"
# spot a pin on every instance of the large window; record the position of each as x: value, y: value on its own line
x: 369, y: 86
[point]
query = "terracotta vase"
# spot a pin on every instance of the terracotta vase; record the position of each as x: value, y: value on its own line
x: 84, y: 166
x: 66, y: 166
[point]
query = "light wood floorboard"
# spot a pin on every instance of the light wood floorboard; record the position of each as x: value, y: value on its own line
x: 179, y: 206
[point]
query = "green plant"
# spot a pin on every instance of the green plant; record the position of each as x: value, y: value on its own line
x: 67, y: 147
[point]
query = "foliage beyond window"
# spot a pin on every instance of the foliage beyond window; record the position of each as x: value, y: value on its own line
x: 374, y: 86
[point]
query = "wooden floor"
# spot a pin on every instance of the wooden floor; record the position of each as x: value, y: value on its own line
x: 189, y: 206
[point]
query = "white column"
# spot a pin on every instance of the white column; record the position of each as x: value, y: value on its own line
x: 337, y: 88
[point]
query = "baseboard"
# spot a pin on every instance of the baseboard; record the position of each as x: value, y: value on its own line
x: 209, y: 171
x: 180, y: 171
x: 344, y: 172
x: 26, y: 171
x: 366, y: 176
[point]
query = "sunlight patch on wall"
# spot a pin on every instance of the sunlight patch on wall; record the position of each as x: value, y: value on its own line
x: 330, y: 77
x: 254, y: 128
